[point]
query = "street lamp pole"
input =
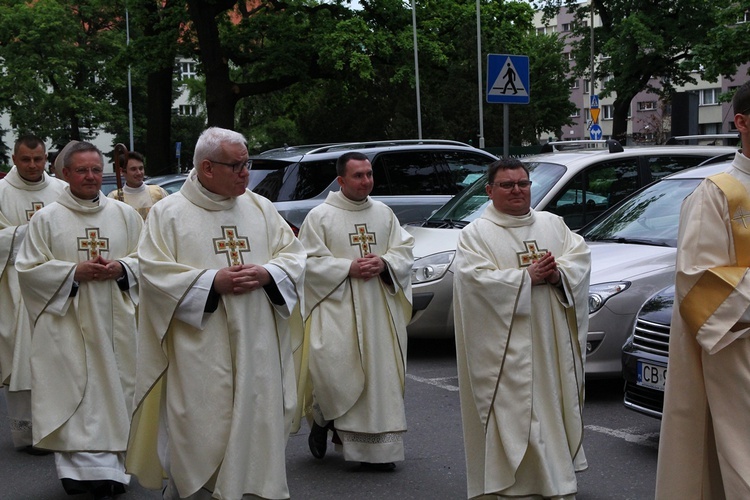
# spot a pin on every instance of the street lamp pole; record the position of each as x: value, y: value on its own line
x: 416, y: 67
x: 130, y: 85
x: 479, y: 79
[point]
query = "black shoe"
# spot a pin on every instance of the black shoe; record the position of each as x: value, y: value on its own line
x: 318, y: 440
x: 35, y: 451
x: 382, y: 467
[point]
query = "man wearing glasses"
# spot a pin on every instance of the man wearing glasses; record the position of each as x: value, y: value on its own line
x: 703, y: 447
x: 521, y: 318
x: 78, y: 274
x: 221, y: 279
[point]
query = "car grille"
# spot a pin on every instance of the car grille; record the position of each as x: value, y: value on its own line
x: 651, y: 337
x: 643, y: 399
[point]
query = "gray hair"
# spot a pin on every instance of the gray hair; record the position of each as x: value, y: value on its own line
x: 79, y: 147
x: 212, y: 141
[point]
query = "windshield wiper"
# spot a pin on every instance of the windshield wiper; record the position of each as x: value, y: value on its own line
x: 445, y: 223
x: 634, y: 241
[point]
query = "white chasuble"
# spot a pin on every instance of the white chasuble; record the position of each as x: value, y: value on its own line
x: 83, y: 347
x: 703, y: 449
x: 357, y: 328
x: 227, y: 387
x: 520, y: 354
x: 19, y: 200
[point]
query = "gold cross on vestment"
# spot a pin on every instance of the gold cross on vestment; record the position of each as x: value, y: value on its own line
x: 92, y: 243
x: 35, y: 207
x: 741, y: 216
x: 362, y: 238
x: 532, y: 253
x: 232, y: 245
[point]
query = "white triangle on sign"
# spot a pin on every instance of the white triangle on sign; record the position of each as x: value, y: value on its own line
x: 508, y: 82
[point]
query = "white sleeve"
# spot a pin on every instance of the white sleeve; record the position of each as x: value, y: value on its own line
x: 192, y: 308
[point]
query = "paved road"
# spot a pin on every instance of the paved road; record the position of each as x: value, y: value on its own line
x: 620, y: 446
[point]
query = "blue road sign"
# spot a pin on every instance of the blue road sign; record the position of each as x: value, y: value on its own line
x: 595, y: 131
x: 594, y: 101
x: 507, y: 79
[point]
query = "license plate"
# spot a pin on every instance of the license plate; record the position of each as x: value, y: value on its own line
x: 652, y: 375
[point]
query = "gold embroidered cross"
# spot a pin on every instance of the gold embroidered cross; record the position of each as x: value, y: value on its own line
x: 92, y: 243
x: 35, y: 207
x: 232, y: 245
x: 362, y: 238
x: 741, y: 216
x: 532, y: 253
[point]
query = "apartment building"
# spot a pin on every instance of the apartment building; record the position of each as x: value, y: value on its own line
x: 649, y: 119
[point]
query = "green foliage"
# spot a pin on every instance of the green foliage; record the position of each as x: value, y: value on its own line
x: 58, y: 76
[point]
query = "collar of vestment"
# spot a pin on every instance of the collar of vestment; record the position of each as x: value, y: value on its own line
x: 198, y: 195
x: 18, y: 182
x: 338, y: 200
x: 741, y: 162
x: 132, y: 190
x: 67, y: 199
x: 495, y: 216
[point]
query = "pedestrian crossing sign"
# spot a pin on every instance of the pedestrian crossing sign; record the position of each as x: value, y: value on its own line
x: 507, y: 79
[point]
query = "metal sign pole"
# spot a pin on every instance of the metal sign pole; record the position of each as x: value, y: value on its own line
x: 506, y: 131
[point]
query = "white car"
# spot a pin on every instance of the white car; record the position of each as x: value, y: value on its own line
x: 594, y: 176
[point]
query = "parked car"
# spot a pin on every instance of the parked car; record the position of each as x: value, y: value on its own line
x: 170, y: 182
x: 579, y: 185
x: 646, y: 353
x: 413, y: 177
x: 633, y: 252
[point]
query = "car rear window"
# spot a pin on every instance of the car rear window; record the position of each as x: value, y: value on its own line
x: 284, y: 181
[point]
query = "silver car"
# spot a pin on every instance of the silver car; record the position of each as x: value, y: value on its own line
x: 593, y: 180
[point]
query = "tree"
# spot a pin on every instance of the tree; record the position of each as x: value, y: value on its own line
x: 57, y: 72
x: 640, y: 40
x: 727, y: 45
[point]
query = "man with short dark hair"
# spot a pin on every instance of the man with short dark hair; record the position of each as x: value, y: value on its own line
x: 79, y: 276
x: 26, y: 189
x: 135, y: 192
x: 520, y: 301
x: 357, y: 305
x: 221, y: 278
x: 704, y: 450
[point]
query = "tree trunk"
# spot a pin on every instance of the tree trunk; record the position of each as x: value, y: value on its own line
x: 620, y: 118
x: 221, y: 94
x: 158, y: 123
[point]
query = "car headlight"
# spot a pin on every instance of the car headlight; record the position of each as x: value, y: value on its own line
x: 600, y: 293
x: 431, y: 268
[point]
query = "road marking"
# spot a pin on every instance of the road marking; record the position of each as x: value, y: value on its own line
x: 437, y: 382
x: 651, y: 440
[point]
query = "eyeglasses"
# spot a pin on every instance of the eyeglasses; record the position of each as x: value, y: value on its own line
x: 84, y: 171
x: 236, y: 167
x: 509, y: 185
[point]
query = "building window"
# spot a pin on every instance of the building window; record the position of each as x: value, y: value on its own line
x: 566, y: 26
x: 576, y: 84
x: 576, y: 113
x: 569, y: 56
x: 744, y: 18
x: 187, y: 110
x: 710, y: 128
x: 187, y: 70
x: 545, y: 31
x: 646, y: 105
x: 709, y: 97
x: 586, y: 114
x: 608, y: 112
x: 585, y: 86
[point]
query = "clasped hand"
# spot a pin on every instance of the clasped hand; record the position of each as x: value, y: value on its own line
x: 367, y: 267
x: 241, y: 279
x: 98, y: 269
x: 544, y: 270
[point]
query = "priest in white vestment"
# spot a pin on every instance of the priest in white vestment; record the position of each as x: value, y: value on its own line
x: 77, y: 269
x: 135, y: 192
x: 25, y: 189
x: 357, y: 305
x: 521, y: 319
x: 221, y: 282
x: 704, y: 448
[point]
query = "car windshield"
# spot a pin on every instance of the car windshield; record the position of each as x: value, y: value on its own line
x: 649, y: 217
x: 470, y: 203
